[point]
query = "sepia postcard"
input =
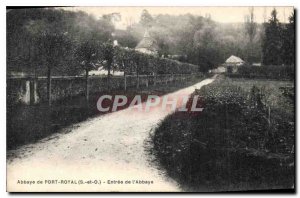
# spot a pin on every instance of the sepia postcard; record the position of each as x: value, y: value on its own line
x: 150, y: 99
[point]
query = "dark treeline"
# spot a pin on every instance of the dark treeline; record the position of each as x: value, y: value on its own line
x: 278, y: 46
x: 49, y: 38
x: 45, y: 41
x: 204, y: 42
x: 59, y: 42
x: 196, y: 39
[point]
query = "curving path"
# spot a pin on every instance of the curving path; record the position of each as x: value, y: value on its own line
x: 110, y: 147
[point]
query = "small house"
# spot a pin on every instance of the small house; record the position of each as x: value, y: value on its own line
x: 232, y: 64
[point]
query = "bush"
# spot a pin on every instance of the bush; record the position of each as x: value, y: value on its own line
x: 230, y: 145
x: 270, y: 72
x: 133, y: 61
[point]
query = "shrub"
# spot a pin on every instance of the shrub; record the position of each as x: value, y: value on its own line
x: 270, y: 72
x: 231, y: 145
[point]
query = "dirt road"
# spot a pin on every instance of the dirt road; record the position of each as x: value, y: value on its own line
x: 110, y: 147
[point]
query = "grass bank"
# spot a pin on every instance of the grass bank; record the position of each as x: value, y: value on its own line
x: 242, y: 140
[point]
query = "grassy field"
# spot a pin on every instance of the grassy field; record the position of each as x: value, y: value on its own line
x: 276, y: 94
x: 28, y: 124
x: 243, y: 140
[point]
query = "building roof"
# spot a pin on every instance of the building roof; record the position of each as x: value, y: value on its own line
x: 147, y: 43
x: 234, y: 59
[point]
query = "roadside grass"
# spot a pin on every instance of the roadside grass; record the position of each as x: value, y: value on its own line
x: 30, y: 123
x: 242, y: 140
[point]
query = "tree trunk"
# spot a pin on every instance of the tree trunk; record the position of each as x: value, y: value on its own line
x: 49, y: 85
x: 137, y: 81
x: 87, y: 85
x: 172, y: 79
x: 147, y: 81
x: 137, y: 77
x: 166, y: 80
x: 108, y: 74
x: 32, y: 91
x: 125, y: 83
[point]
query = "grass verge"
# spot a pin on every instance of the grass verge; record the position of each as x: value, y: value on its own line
x: 242, y: 140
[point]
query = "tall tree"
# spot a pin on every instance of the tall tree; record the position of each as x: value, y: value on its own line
x: 146, y: 19
x: 112, y: 18
x: 53, y: 44
x: 288, y: 47
x: 251, y: 26
x: 206, y: 48
x: 88, y: 55
x: 272, y: 43
x: 108, y: 56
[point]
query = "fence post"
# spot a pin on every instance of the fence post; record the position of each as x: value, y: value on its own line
x: 32, y: 91
x: 138, y: 81
x: 147, y: 80
x: 87, y: 85
x: 137, y: 78
x: 49, y: 82
x: 125, y: 83
x: 109, y: 62
x: 166, y: 79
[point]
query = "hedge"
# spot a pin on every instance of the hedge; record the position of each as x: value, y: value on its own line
x: 279, y: 72
x: 132, y: 61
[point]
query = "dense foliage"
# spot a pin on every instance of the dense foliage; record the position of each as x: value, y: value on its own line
x: 280, y: 72
x: 204, y: 42
x: 39, y: 39
x: 43, y: 41
x: 193, y: 39
x: 199, y: 40
x: 243, y: 140
x: 278, y: 46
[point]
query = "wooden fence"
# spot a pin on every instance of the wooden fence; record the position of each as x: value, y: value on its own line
x: 33, y: 90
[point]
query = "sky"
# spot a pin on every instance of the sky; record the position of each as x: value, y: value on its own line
x: 219, y: 14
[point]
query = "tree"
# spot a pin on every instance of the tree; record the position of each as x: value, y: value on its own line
x: 88, y: 55
x: 112, y: 18
x: 126, y: 39
x: 271, y: 46
x: 108, y: 55
x: 206, y: 48
x: 163, y: 47
x: 24, y: 28
x: 146, y: 19
x: 250, y: 26
x: 288, y: 47
x: 53, y: 45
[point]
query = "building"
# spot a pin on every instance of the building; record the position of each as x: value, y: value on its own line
x: 232, y: 64
x: 147, y: 45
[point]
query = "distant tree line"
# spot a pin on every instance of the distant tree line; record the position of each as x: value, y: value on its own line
x: 39, y: 40
x: 55, y: 41
x: 198, y: 39
x: 59, y: 42
x: 278, y: 45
